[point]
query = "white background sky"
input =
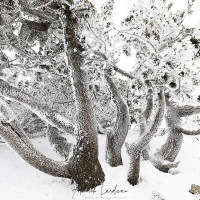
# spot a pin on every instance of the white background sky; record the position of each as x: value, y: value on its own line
x: 121, y: 8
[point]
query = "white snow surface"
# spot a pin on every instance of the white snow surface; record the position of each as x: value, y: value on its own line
x: 20, y: 181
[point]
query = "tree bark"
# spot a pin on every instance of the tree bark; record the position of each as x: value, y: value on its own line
x: 143, y: 121
x: 85, y: 169
x: 135, y: 150
x: 172, y: 146
x: 134, y: 166
x: 116, y: 138
x: 31, y: 155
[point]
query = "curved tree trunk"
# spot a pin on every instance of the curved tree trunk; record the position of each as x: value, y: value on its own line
x: 172, y: 146
x: 26, y: 150
x: 135, y: 150
x: 143, y: 121
x: 116, y: 138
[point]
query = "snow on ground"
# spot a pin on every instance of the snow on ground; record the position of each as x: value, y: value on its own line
x: 20, y: 181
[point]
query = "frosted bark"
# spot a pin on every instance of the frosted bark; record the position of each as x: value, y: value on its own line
x: 31, y: 155
x: 172, y: 146
x: 41, y: 14
x: 12, y: 132
x: 187, y: 110
x: 116, y: 137
x: 86, y: 170
x: 143, y: 121
x: 188, y: 132
x: 135, y: 150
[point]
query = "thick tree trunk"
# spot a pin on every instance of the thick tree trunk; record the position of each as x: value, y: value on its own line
x: 85, y: 168
x: 134, y: 167
x: 116, y: 138
x: 113, y: 151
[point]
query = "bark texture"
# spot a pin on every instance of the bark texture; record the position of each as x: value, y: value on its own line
x: 170, y: 149
x: 144, y: 120
x: 26, y: 150
x: 135, y: 150
x: 86, y: 170
x: 116, y: 137
x: 59, y: 143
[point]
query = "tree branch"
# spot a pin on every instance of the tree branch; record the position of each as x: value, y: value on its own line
x: 188, y: 132
x: 37, y: 13
x: 32, y: 156
x: 59, y: 143
x: 150, y: 132
x: 36, y: 25
x: 43, y: 111
x: 187, y: 110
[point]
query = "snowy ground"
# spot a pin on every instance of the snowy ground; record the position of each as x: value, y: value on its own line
x: 20, y: 181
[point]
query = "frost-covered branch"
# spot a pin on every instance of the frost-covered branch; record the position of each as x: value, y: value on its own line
x: 32, y: 25
x: 142, y: 39
x: 188, y: 132
x: 43, y: 111
x: 135, y: 149
x: 27, y: 9
x: 149, y: 133
x: 32, y: 156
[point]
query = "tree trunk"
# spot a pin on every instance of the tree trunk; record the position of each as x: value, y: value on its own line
x: 31, y: 155
x: 113, y: 151
x: 134, y: 167
x: 172, y: 146
x: 116, y: 138
x: 135, y: 150
x: 85, y: 168
x: 143, y: 121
